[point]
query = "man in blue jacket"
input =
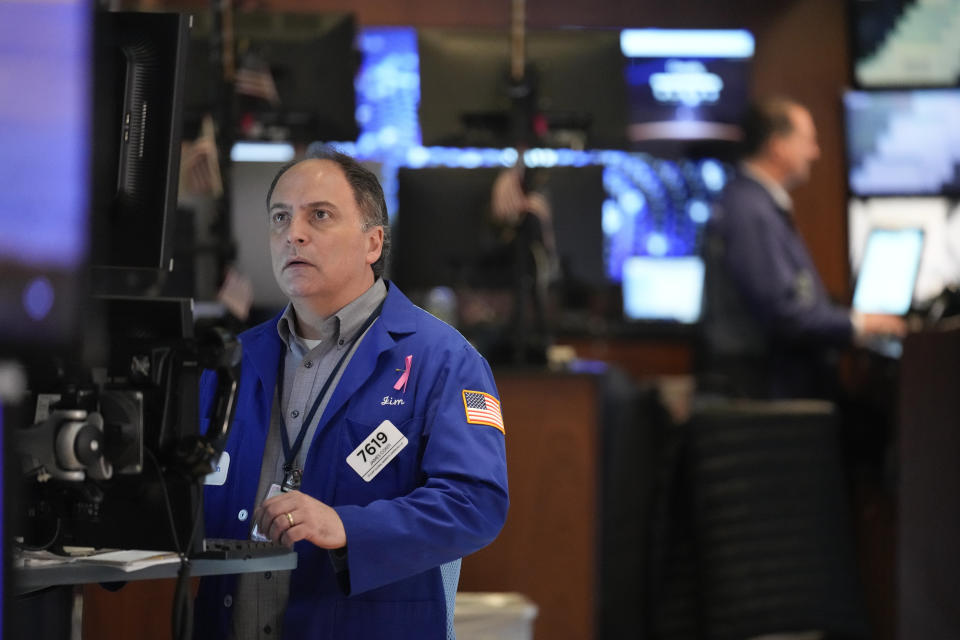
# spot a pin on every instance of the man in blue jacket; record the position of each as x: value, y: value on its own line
x: 769, y: 323
x: 368, y: 435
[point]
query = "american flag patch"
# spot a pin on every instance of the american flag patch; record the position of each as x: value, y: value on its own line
x: 482, y: 408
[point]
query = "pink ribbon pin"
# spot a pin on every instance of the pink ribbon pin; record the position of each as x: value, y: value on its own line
x: 402, y: 382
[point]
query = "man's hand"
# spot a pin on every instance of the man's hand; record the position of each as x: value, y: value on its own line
x: 508, y: 201
x: 882, y: 324
x: 293, y: 516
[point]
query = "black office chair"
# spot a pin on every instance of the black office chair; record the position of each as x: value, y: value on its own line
x: 760, y: 506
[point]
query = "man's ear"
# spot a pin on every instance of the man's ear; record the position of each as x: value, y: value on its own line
x: 774, y: 146
x: 375, y: 244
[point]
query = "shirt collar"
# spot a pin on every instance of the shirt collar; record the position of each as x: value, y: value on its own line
x: 343, y: 324
x: 774, y: 188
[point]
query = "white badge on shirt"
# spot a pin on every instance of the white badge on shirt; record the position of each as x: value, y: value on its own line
x: 218, y: 477
x: 377, y: 450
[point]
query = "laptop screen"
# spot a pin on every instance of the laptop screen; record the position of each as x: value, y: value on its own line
x: 888, y: 271
x: 663, y: 289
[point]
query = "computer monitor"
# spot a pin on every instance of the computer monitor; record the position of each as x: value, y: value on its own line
x: 443, y: 236
x: 307, y: 59
x: 903, y: 142
x: 888, y: 272
x: 139, y: 60
x: 686, y: 84
x: 940, y: 220
x: 576, y: 75
x: 45, y: 160
x: 663, y: 289
x: 901, y: 43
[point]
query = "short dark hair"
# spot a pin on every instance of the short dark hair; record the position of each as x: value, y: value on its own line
x: 765, y: 119
x: 366, y: 191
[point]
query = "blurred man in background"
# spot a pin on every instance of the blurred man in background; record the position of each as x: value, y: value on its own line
x: 771, y: 330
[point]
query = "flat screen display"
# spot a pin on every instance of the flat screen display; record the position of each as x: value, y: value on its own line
x: 443, y: 235
x: 573, y: 78
x: 940, y: 220
x: 888, y: 272
x: 45, y: 120
x: 905, y: 43
x: 668, y: 289
x: 904, y: 142
x: 686, y: 84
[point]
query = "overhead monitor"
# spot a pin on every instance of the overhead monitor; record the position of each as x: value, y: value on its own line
x: 686, y: 84
x: 294, y: 78
x: 903, y: 142
x: 899, y: 43
x: 466, y: 92
x: 663, y: 289
x: 888, y: 271
x: 444, y: 236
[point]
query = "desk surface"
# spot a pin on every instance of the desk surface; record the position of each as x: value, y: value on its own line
x: 27, y: 579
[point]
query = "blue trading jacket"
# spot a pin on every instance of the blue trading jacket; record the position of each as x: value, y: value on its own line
x: 444, y: 495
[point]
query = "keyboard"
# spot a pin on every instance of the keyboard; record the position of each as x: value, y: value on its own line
x: 886, y: 346
x: 227, y: 549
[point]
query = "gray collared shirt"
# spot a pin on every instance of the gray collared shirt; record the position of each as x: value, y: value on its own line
x: 308, y: 364
x: 261, y: 599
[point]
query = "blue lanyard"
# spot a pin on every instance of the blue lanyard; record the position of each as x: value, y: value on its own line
x: 292, y: 475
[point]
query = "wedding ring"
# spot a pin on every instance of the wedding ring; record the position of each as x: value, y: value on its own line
x: 289, y: 518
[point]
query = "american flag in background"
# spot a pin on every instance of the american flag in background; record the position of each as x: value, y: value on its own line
x: 255, y: 79
x: 200, y: 164
x: 482, y: 408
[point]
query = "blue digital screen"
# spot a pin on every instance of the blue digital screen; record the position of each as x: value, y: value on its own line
x: 686, y: 84
x: 45, y: 78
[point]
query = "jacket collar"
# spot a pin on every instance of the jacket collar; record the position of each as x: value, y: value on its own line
x: 779, y: 195
x: 396, y: 319
x: 263, y: 347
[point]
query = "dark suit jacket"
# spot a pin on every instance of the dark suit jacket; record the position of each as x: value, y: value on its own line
x: 769, y: 325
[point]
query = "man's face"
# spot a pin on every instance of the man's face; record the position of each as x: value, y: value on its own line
x: 796, y: 151
x: 321, y: 255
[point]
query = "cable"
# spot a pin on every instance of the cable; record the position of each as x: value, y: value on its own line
x: 43, y: 547
x: 166, y: 501
x: 181, y: 615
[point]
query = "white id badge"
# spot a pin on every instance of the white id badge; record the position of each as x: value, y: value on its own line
x: 377, y: 450
x: 218, y: 477
x: 255, y: 534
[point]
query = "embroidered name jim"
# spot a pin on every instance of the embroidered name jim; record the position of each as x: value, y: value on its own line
x: 387, y: 400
